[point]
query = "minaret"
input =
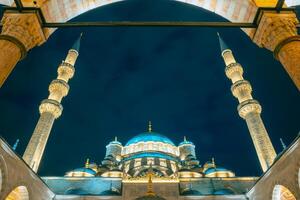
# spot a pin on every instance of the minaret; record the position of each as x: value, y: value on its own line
x: 51, y: 108
x: 249, y: 109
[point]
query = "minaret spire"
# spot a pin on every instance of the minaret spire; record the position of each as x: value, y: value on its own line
x: 87, y: 163
x: 223, y: 45
x: 16, y: 145
x: 249, y: 109
x: 282, y: 144
x: 51, y: 108
x: 76, y: 45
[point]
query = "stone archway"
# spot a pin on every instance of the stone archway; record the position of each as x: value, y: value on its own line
x: 19, y: 193
x: 276, y: 32
x: 282, y: 193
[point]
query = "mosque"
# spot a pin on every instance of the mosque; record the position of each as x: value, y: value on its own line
x: 150, y: 165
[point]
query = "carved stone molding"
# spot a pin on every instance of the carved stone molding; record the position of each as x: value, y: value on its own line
x: 274, y: 28
x: 24, y: 27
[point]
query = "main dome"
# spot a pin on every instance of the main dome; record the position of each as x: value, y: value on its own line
x: 149, y: 137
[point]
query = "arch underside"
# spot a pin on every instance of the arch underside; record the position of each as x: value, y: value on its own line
x: 282, y: 193
x: 19, y: 193
x: 65, y: 10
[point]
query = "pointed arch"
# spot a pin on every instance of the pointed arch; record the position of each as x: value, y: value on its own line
x: 282, y: 193
x: 19, y: 193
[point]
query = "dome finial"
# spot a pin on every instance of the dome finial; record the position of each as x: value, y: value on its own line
x: 87, y: 163
x: 149, y: 127
x: 213, y: 162
x: 184, y: 138
x: 16, y: 144
x: 116, y: 139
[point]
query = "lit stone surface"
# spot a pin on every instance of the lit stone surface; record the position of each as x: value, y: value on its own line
x: 278, y: 33
x: 50, y: 109
x: 65, y: 10
x: 249, y: 109
x: 20, y: 33
x: 284, y: 173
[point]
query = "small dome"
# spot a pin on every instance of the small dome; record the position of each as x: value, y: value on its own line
x: 116, y: 142
x: 150, y: 137
x: 185, y: 142
x: 218, y: 172
x: 190, y: 192
x: 86, y: 170
x: 217, y: 169
x: 81, y: 172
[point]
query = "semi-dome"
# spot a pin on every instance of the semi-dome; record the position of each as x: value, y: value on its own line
x: 150, y: 137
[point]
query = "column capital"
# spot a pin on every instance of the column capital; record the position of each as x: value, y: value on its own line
x: 274, y: 28
x: 25, y: 28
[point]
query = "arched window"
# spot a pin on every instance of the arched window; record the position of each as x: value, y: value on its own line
x: 19, y: 193
x: 282, y: 193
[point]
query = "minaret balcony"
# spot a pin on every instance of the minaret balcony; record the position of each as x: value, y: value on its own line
x: 242, y: 90
x: 65, y: 71
x: 248, y: 106
x: 234, y: 69
x: 59, y: 86
x: 51, y: 106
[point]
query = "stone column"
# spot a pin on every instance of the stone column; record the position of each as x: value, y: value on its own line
x: 278, y: 33
x: 20, y: 33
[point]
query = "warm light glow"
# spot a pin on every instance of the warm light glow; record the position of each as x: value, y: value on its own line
x: 150, y: 146
x: 266, y: 3
x: 189, y: 175
x: 19, y: 193
x: 78, y: 174
x: 113, y: 174
x: 282, y: 193
x: 220, y: 174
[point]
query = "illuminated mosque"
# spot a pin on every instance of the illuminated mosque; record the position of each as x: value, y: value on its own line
x: 150, y: 165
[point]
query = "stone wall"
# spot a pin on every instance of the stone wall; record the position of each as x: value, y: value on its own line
x: 284, y: 172
x: 16, y: 174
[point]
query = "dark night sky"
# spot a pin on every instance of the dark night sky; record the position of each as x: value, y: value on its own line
x: 127, y: 76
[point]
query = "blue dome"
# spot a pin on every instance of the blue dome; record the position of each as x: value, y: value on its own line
x: 217, y: 169
x: 86, y: 170
x: 185, y: 142
x: 150, y: 137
